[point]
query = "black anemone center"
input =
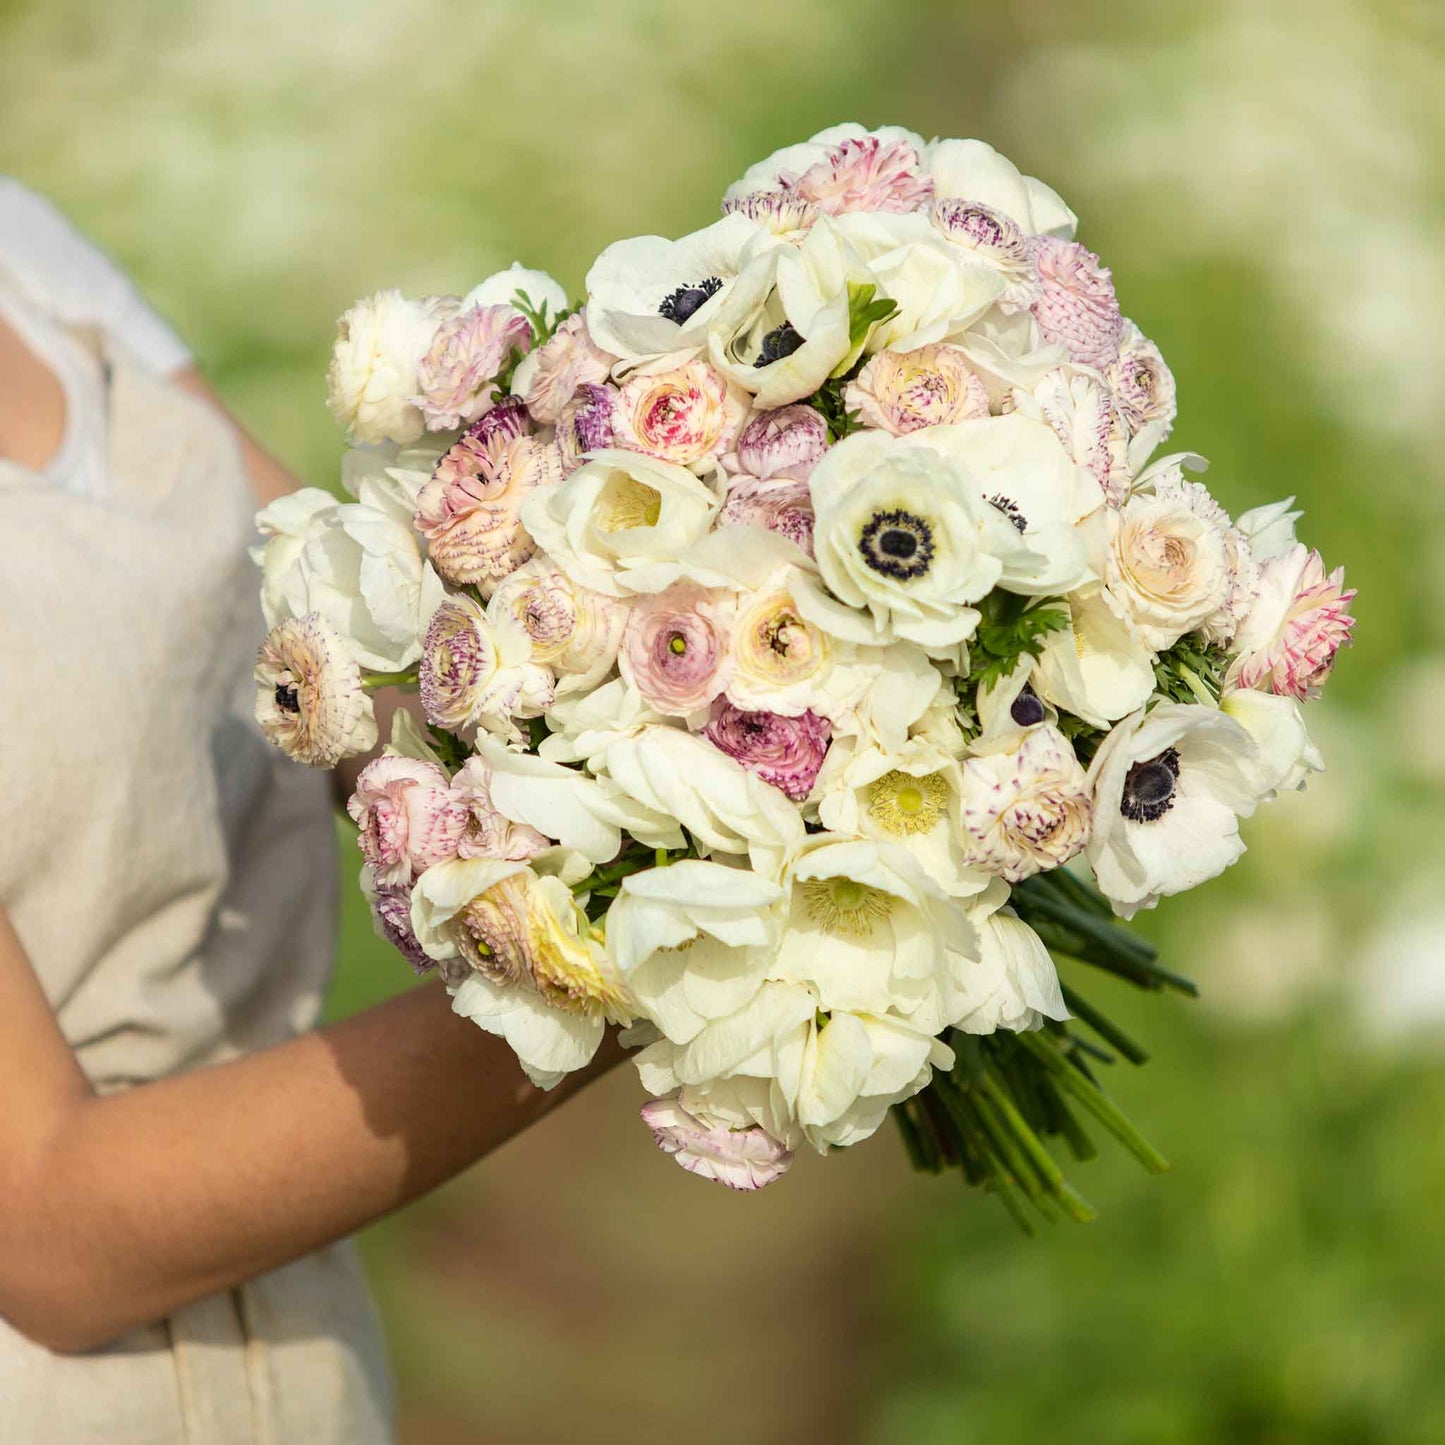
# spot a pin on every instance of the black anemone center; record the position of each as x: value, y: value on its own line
x: 1027, y: 711
x: 897, y: 544
x: 286, y: 697
x: 1150, y: 786
x: 1011, y: 510
x: 781, y: 341
x: 679, y: 305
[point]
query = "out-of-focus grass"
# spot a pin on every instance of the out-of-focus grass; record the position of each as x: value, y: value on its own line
x: 1262, y: 185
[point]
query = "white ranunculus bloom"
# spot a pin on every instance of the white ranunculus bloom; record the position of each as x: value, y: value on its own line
x: 379, y: 345
x: 1167, y: 568
x: 619, y: 511
x: 909, y: 798
x: 1287, y: 756
x: 974, y: 171
x: 1019, y: 467
x: 937, y: 289
x: 1170, y: 787
x: 694, y: 941
x: 1013, y: 984
x: 648, y: 296
x: 505, y: 288
x: 903, y: 538
x: 725, y: 808
x: 710, y: 1146
x: 358, y: 564
x: 1098, y: 668
x: 782, y: 329
x: 870, y: 931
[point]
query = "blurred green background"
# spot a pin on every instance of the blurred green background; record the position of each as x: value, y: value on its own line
x: 1266, y: 181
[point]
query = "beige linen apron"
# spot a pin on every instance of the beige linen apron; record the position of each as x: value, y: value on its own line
x: 172, y: 878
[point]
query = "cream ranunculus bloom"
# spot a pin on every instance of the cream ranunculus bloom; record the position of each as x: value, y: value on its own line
x: 1170, y: 787
x: 904, y: 542
x: 619, y: 511
x: 1013, y: 983
x: 1099, y: 668
x: 694, y: 940
x: 372, y: 384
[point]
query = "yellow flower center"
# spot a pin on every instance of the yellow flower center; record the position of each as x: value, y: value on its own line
x: 843, y: 906
x: 901, y: 803
x: 628, y: 503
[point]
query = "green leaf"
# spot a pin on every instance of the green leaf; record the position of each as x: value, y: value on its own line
x: 866, y: 309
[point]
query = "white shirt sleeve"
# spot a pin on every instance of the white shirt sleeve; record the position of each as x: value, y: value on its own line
x: 69, y: 276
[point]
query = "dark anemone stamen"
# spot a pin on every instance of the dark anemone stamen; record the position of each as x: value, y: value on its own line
x: 1027, y: 710
x: 781, y: 341
x: 1149, y: 787
x: 897, y: 544
x: 679, y: 305
x: 286, y: 697
x: 1011, y: 510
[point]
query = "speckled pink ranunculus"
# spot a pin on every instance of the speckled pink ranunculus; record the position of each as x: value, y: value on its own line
x: 487, y: 834
x: 684, y: 414
x: 391, y: 913
x: 675, y: 648
x: 407, y: 816
x: 744, y: 1159
x: 1301, y: 619
x: 568, y: 359
x: 1076, y: 308
x: 777, y: 504
x: 586, y: 424
x: 994, y: 239
x: 901, y: 392
x: 788, y: 441
x: 457, y: 376
x: 470, y: 511
x: 1142, y: 384
x: 867, y: 175
x: 784, y: 751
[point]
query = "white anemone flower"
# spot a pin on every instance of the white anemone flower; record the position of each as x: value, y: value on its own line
x: 619, y: 511
x: 1170, y: 787
x: 1098, y: 668
x: 1013, y: 983
x: 974, y: 171
x: 1287, y: 756
x: 694, y: 940
x: 648, y: 296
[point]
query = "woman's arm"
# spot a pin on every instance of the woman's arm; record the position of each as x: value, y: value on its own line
x: 116, y: 1210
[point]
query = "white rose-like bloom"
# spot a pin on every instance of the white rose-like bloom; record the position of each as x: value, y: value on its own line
x: 1026, y: 805
x: 870, y: 931
x: 901, y: 534
x: 1287, y: 756
x: 358, y: 564
x: 373, y: 378
x: 537, y: 975
x: 1167, y: 568
x: 1098, y: 668
x: 694, y: 940
x: 974, y: 171
x: 909, y: 798
x: 621, y: 510
x: 506, y: 288
x: 648, y: 296
x: 937, y: 288
x: 1019, y: 467
x: 1013, y: 984
x: 782, y: 329
x: 1170, y: 787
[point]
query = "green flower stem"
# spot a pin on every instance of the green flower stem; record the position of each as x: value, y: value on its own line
x: 1106, y: 1029
x: 406, y: 678
x: 921, y: 1153
x: 1071, y: 1081
x: 1074, y: 1205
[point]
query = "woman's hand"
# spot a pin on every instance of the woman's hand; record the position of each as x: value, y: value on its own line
x: 116, y: 1210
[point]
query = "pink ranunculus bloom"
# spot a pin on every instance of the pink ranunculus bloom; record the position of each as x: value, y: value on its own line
x: 1077, y: 308
x: 934, y: 385
x: 788, y: 441
x: 391, y: 913
x: 470, y: 510
x: 784, y: 751
x: 407, y: 816
x: 586, y: 424
x: 456, y: 378
x: 778, y: 504
x: 996, y: 240
x: 744, y: 1159
x: 675, y: 648
x: 569, y: 358
x: 685, y: 414
x: 867, y: 175
x: 487, y: 834
x: 1301, y: 619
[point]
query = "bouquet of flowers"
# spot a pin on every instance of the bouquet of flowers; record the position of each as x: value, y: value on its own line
x: 811, y: 657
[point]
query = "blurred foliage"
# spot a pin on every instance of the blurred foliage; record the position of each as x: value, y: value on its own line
x: 1265, y: 183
